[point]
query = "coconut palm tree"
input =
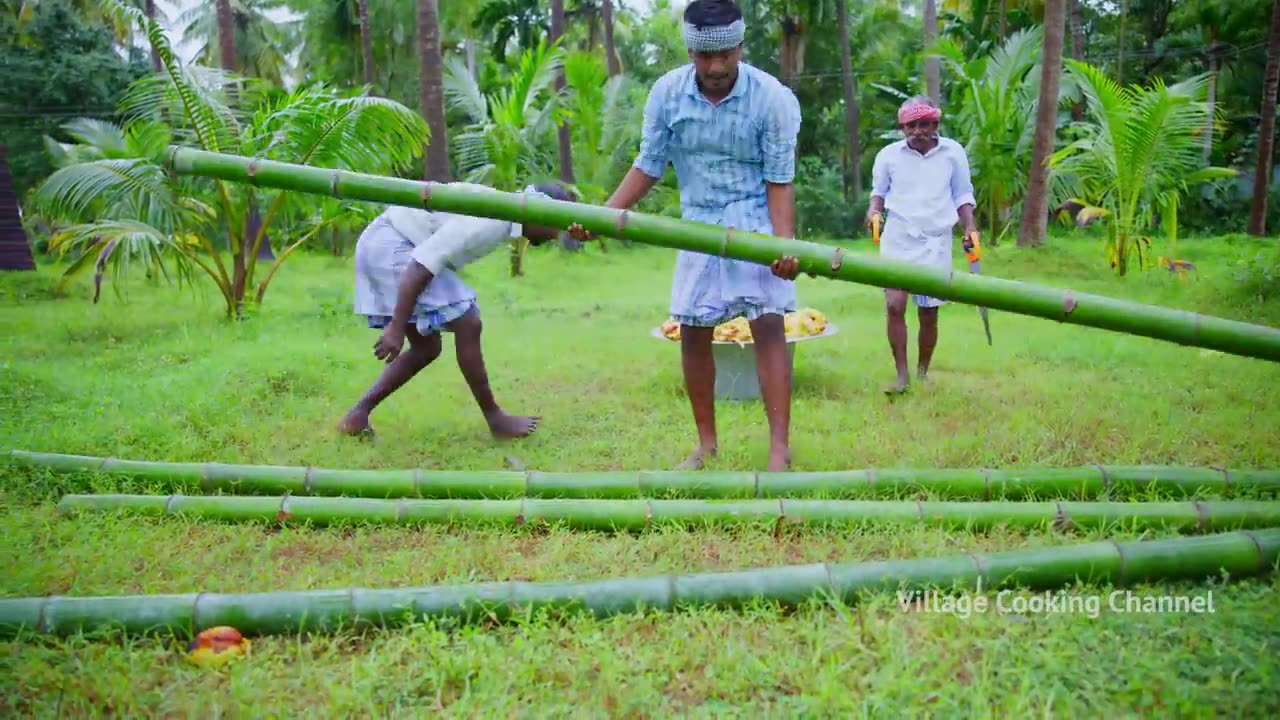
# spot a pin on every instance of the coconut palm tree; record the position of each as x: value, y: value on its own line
x: 508, y: 132
x: 257, y: 46
x: 124, y: 208
x: 431, y: 91
x: 1035, y: 210
x: 1267, y: 129
x: 1139, y: 152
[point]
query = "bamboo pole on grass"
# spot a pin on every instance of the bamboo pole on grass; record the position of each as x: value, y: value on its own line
x: 1237, y: 554
x: 1067, y: 306
x: 629, y: 515
x: 1084, y: 482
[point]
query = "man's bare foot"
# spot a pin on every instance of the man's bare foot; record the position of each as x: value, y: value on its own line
x: 922, y: 373
x: 697, y: 458
x: 507, y: 426
x: 356, y: 422
x: 779, y: 459
x: 897, y: 388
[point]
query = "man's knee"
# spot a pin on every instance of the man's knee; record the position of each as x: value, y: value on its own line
x: 928, y: 316
x: 895, y: 302
x: 427, y: 347
x: 467, y: 327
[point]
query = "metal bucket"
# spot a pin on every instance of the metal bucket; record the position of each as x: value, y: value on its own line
x: 736, y: 378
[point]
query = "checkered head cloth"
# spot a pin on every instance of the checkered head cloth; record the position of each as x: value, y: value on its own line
x: 714, y: 38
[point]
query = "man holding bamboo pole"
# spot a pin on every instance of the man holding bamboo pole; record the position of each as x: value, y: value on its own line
x: 730, y: 131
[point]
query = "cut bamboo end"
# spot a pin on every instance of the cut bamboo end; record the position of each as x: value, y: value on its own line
x: 1235, y: 554
x: 1071, y: 483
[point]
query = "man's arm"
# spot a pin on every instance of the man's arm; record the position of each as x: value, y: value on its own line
x: 879, y: 187
x: 782, y: 208
x: 634, y: 186
x: 781, y: 130
x: 651, y: 160
x: 413, y: 281
x: 962, y: 192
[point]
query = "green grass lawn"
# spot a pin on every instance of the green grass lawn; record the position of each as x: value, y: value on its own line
x: 162, y: 376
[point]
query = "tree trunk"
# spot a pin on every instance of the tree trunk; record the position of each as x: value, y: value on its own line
x: 431, y: 92
x: 149, y: 9
x: 610, y: 52
x: 226, y: 36
x: 1267, y: 129
x: 1212, y: 99
x: 1124, y: 11
x: 562, y: 132
x: 1077, y: 49
x: 1035, y: 210
x: 932, y: 73
x: 1004, y: 19
x: 366, y: 43
x: 853, y: 174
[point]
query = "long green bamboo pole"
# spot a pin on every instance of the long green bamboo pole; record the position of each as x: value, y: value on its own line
x: 1085, y: 482
x: 1067, y: 306
x: 622, y: 515
x: 1238, y: 554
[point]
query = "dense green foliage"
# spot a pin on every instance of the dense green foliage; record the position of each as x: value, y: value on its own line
x: 56, y: 65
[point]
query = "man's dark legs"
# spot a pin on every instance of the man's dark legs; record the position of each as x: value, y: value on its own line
x: 422, y: 351
x: 769, y: 334
x: 896, y: 313
x: 700, y: 382
x: 928, y: 339
x: 466, y: 333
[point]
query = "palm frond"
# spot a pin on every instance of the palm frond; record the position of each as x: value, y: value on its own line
x: 119, y: 244
x: 462, y: 91
x: 104, y: 187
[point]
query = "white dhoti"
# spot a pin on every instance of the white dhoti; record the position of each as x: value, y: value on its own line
x: 901, y: 242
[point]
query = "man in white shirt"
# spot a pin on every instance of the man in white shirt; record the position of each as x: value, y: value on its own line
x: 924, y: 184
x: 406, y: 284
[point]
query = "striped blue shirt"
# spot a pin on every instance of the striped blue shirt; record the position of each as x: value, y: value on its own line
x: 723, y: 154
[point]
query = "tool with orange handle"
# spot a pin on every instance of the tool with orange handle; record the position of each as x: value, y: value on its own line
x: 973, y: 252
x: 875, y: 228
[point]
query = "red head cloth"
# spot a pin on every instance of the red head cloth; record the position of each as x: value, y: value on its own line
x: 918, y: 111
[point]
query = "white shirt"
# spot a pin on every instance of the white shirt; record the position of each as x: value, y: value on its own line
x: 449, y: 241
x: 923, y: 191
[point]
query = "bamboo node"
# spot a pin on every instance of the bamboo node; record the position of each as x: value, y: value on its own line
x: 1061, y: 520
x: 872, y: 477
x: 251, y: 172
x: 837, y: 258
x: 724, y: 244
x: 168, y: 504
x: 306, y: 480
x: 648, y: 514
x: 1068, y: 304
x: 42, y: 617
x: 1202, y: 515
x: 283, y: 513
x: 425, y: 194
x: 981, y: 566
x: 195, y: 613
x: 1106, y: 478
x: 333, y: 183
x: 986, y: 484
x: 1226, y: 478
x: 417, y: 482
x: 620, y: 221
x: 1263, y: 565
x: 1120, y: 571
x: 756, y: 479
